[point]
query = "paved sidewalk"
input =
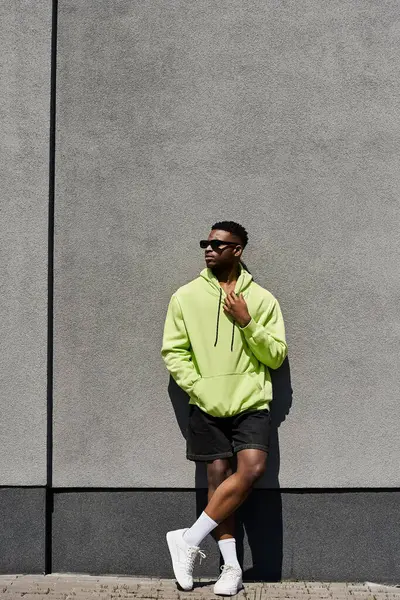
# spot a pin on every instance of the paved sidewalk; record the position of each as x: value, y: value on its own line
x: 79, y: 587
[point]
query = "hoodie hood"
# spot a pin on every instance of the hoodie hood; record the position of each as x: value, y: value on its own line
x: 242, y: 286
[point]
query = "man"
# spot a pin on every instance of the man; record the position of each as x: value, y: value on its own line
x: 229, y: 386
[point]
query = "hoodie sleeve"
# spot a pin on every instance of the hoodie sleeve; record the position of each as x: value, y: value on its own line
x: 175, y: 348
x: 266, y: 337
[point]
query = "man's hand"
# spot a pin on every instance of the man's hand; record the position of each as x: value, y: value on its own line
x: 236, y: 306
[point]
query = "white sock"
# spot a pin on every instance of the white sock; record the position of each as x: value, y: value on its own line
x: 228, y: 551
x: 199, y: 530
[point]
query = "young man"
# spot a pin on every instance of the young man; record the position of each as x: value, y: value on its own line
x: 221, y: 359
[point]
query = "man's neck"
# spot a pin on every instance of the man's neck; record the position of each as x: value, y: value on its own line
x: 227, y: 276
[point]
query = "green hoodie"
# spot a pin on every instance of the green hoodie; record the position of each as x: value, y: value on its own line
x: 224, y: 368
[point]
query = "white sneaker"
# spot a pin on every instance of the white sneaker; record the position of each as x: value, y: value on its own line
x: 183, y: 557
x: 229, y: 582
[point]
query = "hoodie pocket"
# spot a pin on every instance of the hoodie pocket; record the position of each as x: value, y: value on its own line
x: 228, y: 394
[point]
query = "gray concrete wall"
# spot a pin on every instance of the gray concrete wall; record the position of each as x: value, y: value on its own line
x: 282, y: 116
x: 307, y: 536
x: 25, y: 48
x: 22, y: 530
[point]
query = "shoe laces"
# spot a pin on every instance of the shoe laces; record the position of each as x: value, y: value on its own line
x: 192, y: 552
x: 228, y: 571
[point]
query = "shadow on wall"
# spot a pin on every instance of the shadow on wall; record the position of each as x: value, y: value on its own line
x: 260, y: 516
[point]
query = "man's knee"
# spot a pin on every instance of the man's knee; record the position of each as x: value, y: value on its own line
x: 258, y: 470
x: 253, y: 471
x: 217, y: 472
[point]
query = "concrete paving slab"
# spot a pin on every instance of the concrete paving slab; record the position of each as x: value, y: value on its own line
x: 85, y: 587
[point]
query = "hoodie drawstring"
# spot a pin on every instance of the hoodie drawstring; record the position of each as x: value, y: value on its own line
x: 233, y: 334
x: 219, y: 304
x: 233, y: 324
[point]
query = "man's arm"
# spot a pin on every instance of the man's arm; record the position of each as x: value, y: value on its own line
x: 266, y: 338
x: 175, y: 348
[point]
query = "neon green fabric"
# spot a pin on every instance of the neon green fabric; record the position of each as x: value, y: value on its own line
x: 223, y: 367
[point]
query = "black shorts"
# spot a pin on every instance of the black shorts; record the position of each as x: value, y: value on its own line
x: 209, y: 438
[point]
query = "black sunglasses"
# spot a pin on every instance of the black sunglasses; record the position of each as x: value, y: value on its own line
x: 215, y: 244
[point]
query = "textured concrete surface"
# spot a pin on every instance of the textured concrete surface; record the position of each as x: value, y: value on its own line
x: 24, y: 155
x: 22, y: 530
x: 282, y: 116
x: 65, y: 587
x: 290, y: 535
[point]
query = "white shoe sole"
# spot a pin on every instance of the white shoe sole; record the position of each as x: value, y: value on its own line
x: 171, y: 547
x: 239, y: 588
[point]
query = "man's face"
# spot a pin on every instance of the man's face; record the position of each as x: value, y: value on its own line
x: 226, y: 254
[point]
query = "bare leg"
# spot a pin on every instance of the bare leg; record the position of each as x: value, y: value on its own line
x: 233, y: 491
x: 217, y: 471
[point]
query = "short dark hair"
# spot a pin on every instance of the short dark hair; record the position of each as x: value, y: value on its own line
x: 234, y: 228
x: 237, y: 230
